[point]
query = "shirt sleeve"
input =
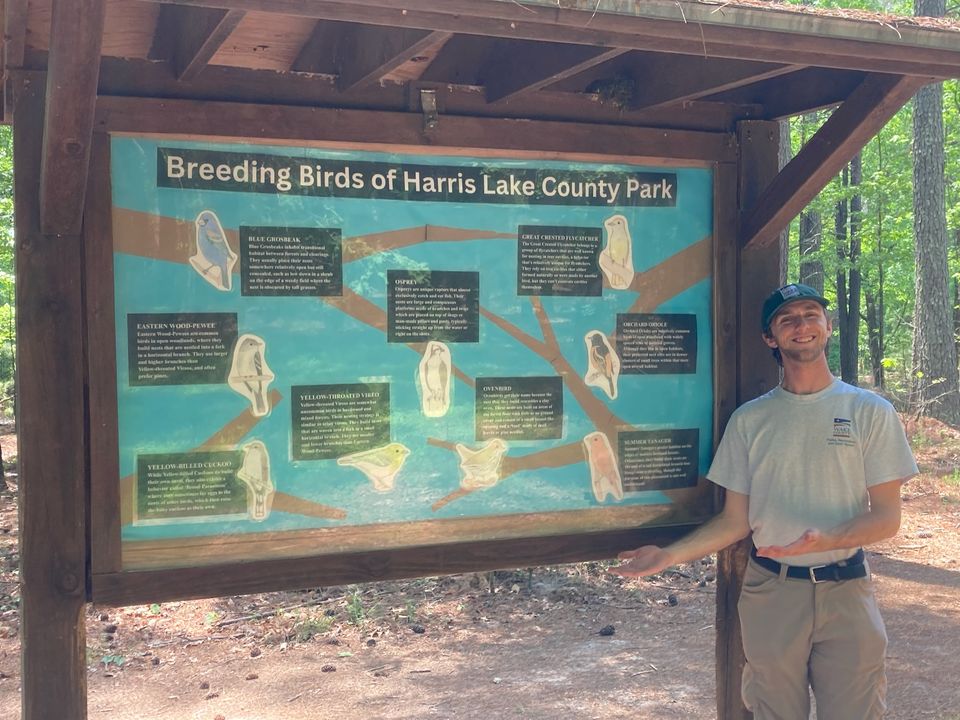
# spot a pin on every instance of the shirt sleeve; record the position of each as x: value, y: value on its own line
x: 886, y: 453
x: 731, y: 465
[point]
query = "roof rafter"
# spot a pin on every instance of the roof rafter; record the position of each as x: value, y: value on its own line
x: 188, y: 37
x: 519, y: 68
x: 671, y: 79
x: 513, y: 20
x: 370, y: 53
x: 849, y: 128
x: 73, y: 71
x: 805, y: 91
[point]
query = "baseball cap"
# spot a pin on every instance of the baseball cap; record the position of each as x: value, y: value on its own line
x: 787, y: 294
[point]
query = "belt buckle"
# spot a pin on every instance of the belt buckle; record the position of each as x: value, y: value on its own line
x: 813, y: 573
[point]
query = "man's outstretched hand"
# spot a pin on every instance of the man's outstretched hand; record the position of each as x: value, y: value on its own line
x: 646, y: 560
x: 811, y: 541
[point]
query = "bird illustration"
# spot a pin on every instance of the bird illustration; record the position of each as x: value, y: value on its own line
x: 435, y: 379
x: 481, y: 468
x: 249, y: 374
x: 254, y: 472
x: 380, y: 465
x: 214, y: 259
x: 603, y: 365
x: 616, y: 259
x: 604, y: 473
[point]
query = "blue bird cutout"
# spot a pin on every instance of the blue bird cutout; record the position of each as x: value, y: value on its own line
x: 212, y: 246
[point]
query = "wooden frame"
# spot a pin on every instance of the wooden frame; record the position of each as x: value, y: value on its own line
x: 584, y: 535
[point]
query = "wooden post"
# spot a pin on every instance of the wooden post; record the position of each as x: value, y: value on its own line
x: 757, y: 372
x: 53, y: 545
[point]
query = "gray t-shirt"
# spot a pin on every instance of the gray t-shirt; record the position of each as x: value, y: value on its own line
x: 806, y: 461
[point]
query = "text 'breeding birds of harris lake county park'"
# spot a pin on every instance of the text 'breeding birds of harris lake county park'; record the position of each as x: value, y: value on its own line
x: 206, y: 170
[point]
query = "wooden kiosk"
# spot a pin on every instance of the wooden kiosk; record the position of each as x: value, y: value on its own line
x: 316, y: 292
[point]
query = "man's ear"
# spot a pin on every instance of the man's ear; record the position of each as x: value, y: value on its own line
x: 768, y: 339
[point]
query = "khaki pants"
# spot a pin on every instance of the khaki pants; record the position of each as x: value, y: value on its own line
x: 828, y: 636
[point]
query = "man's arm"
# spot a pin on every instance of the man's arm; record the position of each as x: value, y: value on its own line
x: 880, y: 522
x: 730, y: 525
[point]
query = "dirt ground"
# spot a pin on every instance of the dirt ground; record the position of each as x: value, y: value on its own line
x: 551, y: 642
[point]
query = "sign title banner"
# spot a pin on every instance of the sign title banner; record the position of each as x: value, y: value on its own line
x: 191, y: 169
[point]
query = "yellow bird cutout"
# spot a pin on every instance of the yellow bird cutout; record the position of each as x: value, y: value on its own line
x: 381, y: 465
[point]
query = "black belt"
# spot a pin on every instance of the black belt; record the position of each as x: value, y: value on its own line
x: 848, y: 569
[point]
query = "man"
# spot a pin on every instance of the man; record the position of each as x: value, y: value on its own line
x: 813, y: 468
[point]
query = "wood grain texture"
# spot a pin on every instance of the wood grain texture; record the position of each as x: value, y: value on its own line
x: 369, y: 53
x: 519, y: 68
x: 76, y: 32
x: 299, y: 572
x: 757, y: 372
x: 189, y: 37
x: 128, y: 79
x: 406, y: 129
x: 51, y: 431
x: 843, y: 135
x: 102, y: 364
x: 923, y: 56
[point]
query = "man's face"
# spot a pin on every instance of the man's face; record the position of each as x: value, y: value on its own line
x: 801, y: 330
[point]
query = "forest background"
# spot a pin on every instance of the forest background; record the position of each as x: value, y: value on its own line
x: 882, y: 242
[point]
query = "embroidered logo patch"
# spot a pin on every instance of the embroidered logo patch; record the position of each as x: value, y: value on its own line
x: 842, y: 432
x: 789, y: 291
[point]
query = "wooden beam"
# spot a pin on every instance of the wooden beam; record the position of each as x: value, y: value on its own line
x: 319, y: 52
x: 670, y: 78
x: 415, y: 67
x: 129, y: 588
x: 804, y: 91
x: 756, y: 372
x: 369, y: 53
x: 140, y: 78
x: 518, y: 68
x: 15, y: 14
x: 188, y: 37
x: 51, y: 431
x: 852, y: 125
x: 76, y: 33
x: 404, y: 128
x: 513, y: 20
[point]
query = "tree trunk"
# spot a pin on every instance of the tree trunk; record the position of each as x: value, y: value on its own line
x: 874, y: 337
x: 935, y: 383
x: 956, y: 296
x: 811, y: 233
x: 875, y: 310
x: 784, y: 155
x: 850, y: 337
x: 846, y: 323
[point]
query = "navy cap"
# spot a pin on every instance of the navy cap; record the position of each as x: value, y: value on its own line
x: 787, y: 294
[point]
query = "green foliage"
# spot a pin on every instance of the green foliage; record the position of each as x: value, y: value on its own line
x: 114, y: 660
x: 310, y: 626
x: 7, y: 286
x: 355, y: 609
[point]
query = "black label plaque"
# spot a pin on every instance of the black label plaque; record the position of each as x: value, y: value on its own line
x: 519, y: 408
x: 556, y: 260
x: 290, y: 261
x: 180, y: 348
x: 433, y: 305
x: 658, y: 459
x: 172, y: 486
x: 330, y: 421
x: 657, y: 343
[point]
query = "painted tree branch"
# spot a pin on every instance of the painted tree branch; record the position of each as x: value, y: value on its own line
x: 228, y: 436
x: 655, y: 286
